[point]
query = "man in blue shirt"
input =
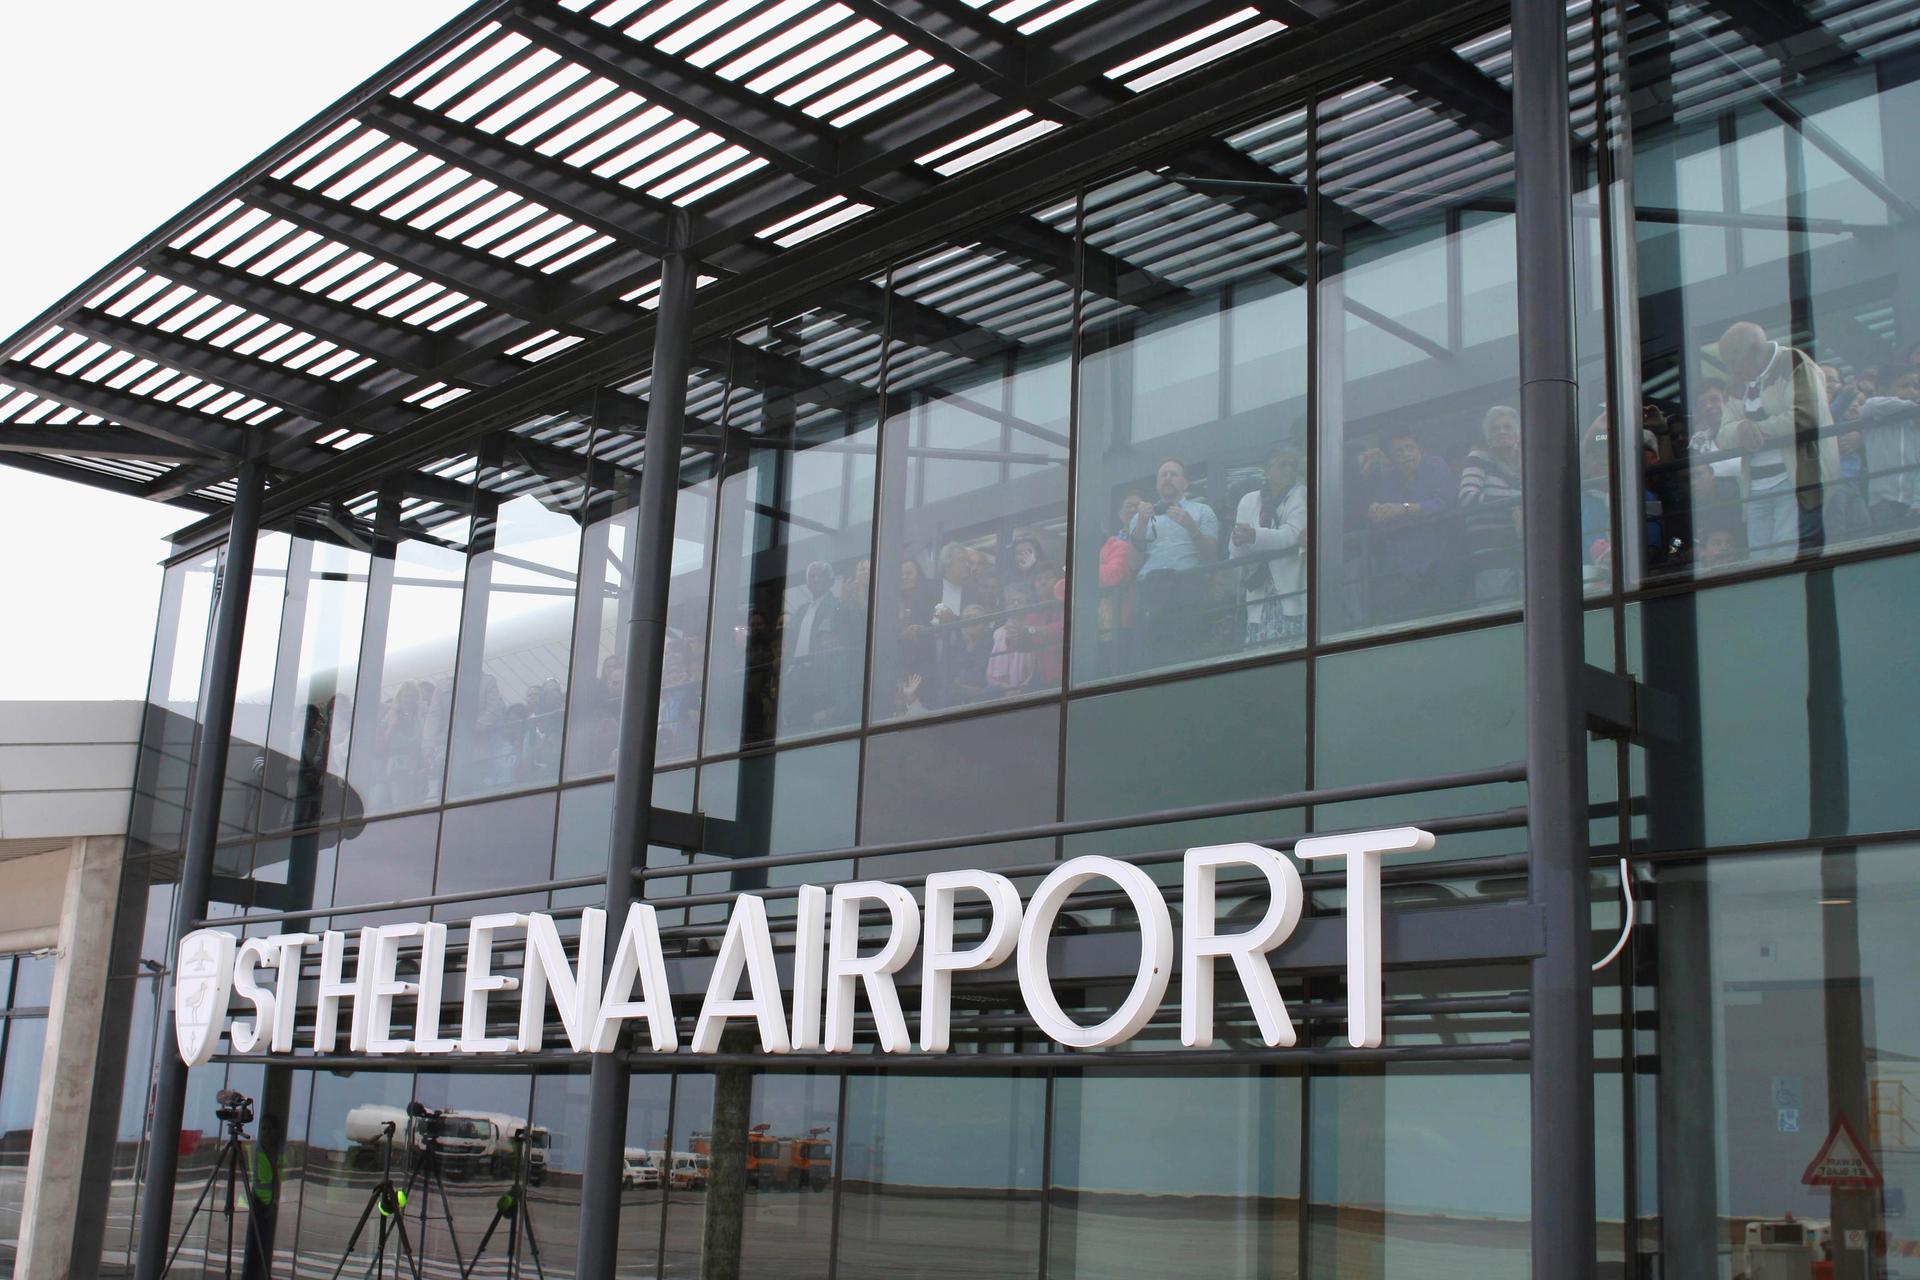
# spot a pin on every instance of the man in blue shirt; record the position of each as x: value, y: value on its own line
x: 1177, y: 538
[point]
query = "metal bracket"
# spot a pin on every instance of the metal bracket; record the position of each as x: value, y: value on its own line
x: 677, y: 830
x: 1619, y: 706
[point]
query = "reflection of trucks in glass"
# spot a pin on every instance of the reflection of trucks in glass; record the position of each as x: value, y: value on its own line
x: 791, y: 1164
x: 506, y: 1131
x: 469, y: 1143
x: 639, y: 1170
x: 684, y: 1170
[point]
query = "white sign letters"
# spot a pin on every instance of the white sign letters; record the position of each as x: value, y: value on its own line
x: 595, y: 993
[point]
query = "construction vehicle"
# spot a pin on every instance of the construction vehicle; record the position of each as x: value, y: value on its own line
x: 789, y: 1164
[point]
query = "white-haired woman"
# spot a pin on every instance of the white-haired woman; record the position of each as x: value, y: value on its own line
x: 1270, y: 533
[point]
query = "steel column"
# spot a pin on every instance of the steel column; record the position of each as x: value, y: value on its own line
x: 646, y: 637
x: 1562, y: 1076
x: 196, y: 871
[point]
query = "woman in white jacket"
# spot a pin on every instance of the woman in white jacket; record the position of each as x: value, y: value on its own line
x: 1270, y: 531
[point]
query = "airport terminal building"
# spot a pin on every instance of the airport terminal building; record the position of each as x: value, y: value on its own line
x: 1040, y: 638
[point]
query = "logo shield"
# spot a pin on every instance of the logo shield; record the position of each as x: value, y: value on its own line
x: 200, y: 986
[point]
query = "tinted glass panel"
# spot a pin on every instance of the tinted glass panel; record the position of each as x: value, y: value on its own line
x: 1419, y: 1172
x: 1152, y: 1173
x: 1192, y: 499
x: 987, y: 772
x: 412, y: 632
x: 610, y: 556
x: 1173, y: 745
x: 1797, y: 706
x: 495, y: 846
x: 787, y: 802
x: 312, y: 719
x: 1420, y: 448
x: 942, y: 1174
x: 796, y: 525
x: 253, y: 687
x: 510, y: 703
x: 173, y: 701
x: 1774, y: 187
x: 768, y: 1147
x: 1415, y: 709
x: 1787, y: 1030
x: 973, y: 508
x: 383, y: 861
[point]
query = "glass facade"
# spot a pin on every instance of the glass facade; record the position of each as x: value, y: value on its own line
x: 27, y: 980
x: 1197, y: 485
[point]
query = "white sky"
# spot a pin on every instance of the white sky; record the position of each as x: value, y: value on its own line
x: 119, y: 113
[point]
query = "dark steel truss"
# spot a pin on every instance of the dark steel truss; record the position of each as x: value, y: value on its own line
x: 493, y: 206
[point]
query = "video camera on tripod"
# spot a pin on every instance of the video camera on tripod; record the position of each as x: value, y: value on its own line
x: 234, y: 1107
x: 429, y: 1123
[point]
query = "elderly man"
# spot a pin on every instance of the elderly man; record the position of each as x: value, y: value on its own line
x: 1778, y: 416
x: 1177, y: 538
x: 816, y: 641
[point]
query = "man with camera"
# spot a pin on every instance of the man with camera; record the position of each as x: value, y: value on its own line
x: 1177, y: 538
x: 1780, y: 418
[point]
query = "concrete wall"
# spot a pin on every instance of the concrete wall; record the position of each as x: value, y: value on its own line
x: 66, y: 778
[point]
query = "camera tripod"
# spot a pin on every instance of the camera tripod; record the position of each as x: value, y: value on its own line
x: 391, y: 1201
x: 512, y: 1208
x: 230, y: 1160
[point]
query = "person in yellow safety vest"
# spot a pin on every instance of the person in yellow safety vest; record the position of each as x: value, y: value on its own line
x: 269, y: 1154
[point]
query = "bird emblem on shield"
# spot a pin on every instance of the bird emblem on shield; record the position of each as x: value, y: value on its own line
x: 200, y: 987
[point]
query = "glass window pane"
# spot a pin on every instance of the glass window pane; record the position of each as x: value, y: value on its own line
x: 1173, y: 745
x: 495, y: 846
x: 1403, y: 1159
x: 312, y: 718
x: 796, y: 524
x: 1772, y: 190
x: 412, y: 632
x: 253, y: 686
x: 159, y: 815
x: 786, y: 802
x: 342, y: 1159
x: 19, y: 1087
x: 610, y: 555
x: 980, y: 773
x: 941, y: 1174
x: 383, y: 861
x: 1418, y: 708
x: 1787, y: 1031
x: 1418, y: 363
x: 510, y: 699
x: 1153, y: 1171
x: 973, y: 508
x: 1192, y: 499
x: 33, y: 980
x: 767, y: 1142
x: 477, y: 1159
x: 1798, y: 705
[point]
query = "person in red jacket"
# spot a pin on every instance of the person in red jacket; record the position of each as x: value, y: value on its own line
x: 1119, y: 563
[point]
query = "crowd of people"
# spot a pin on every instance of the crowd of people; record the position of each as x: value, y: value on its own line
x: 1781, y: 452
x: 1786, y: 452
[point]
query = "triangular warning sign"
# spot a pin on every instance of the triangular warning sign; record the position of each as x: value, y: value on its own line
x: 1843, y: 1161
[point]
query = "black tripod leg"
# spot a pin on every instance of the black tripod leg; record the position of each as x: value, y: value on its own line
x: 233, y: 1180
x: 533, y: 1244
x: 406, y: 1248
x: 187, y: 1229
x: 467, y: 1269
x: 439, y: 1183
x: 373, y: 1202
